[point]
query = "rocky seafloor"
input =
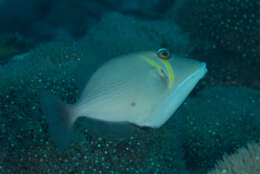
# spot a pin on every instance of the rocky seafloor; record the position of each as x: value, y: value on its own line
x: 221, y: 115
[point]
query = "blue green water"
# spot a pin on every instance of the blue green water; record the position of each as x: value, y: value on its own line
x: 42, y: 44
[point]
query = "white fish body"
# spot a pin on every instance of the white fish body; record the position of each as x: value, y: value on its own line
x: 138, y: 89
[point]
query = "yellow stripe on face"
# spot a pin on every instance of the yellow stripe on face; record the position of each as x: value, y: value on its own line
x: 167, y: 65
x: 170, y: 72
x: 153, y: 63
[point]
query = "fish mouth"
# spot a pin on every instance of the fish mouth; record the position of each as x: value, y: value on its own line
x: 175, y: 98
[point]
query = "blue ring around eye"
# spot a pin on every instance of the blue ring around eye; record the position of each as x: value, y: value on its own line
x: 162, y: 49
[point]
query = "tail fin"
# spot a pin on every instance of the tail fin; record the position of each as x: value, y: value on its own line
x: 59, y: 119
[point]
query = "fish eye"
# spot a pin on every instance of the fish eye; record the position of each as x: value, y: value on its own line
x: 164, y: 53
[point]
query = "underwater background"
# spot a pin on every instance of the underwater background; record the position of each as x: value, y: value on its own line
x: 42, y: 43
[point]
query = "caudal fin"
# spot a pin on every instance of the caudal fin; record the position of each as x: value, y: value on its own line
x: 59, y: 118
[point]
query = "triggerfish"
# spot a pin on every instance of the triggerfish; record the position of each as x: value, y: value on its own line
x: 132, y: 91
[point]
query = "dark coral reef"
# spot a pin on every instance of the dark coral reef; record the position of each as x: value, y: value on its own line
x: 56, y: 37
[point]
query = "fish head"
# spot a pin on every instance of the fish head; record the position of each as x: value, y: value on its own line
x: 160, y: 62
x: 143, y: 89
x: 182, y: 76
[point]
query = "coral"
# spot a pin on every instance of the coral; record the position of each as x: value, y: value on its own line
x: 245, y: 160
x: 230, y: 25
x: 141, y: 8
x: 23, y: 131
x: 226, y: 34
x: 11, y: 45
x: 128, y: 34
x: 218, y: 120
x: 41, y: 20
x: 7, y: 51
